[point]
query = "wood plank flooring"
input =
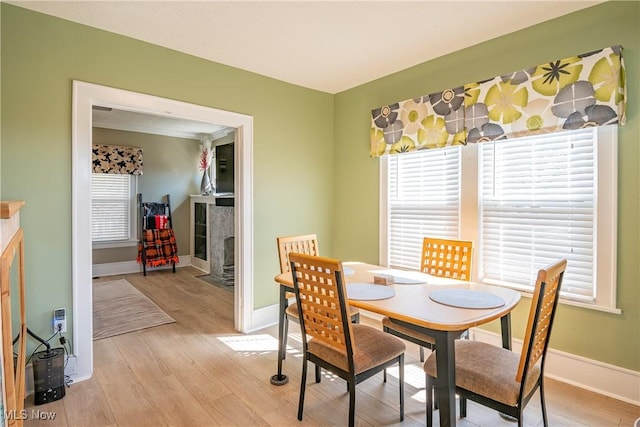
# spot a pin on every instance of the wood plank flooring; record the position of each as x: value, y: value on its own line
x: 200, y: 372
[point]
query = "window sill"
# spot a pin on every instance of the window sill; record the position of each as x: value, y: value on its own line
x: 595, y: 307
x: 563, y: 300
x: 114, y: 244
x: 566, y: 301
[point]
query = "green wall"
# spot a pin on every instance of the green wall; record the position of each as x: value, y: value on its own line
x: 309, y: 147
x: 170, y: 167
x: 42, y: 55
x: 610, y: 338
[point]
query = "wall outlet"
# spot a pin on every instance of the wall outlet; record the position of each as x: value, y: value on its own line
x: 59, y: 320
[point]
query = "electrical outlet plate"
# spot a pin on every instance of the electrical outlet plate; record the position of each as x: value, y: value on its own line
x: 59, y: 320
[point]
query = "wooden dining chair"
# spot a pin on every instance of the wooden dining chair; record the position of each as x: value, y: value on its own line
x: 442, y: 258
x: 303, y: 244
x: 497, y: 377
x: 331, y: 341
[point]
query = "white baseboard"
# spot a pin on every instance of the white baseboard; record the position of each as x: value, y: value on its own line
x: 263, y: 317
x: 128, y: 267
x: 602, y: 378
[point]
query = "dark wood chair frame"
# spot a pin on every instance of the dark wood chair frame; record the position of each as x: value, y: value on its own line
x: 426, y: 267
x: 536, y: 326
x: 306, y: 244
x: 349, y: 376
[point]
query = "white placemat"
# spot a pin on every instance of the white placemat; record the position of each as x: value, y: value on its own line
x: 368, y: 292
x: 466, y: 298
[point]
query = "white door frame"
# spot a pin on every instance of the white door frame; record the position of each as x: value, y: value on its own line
x: 85, y: 95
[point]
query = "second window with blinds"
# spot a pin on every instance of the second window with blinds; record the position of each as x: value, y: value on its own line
x: 524, y: 203
x: 113, y: 210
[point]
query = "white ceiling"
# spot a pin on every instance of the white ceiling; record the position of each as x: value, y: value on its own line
x: 111, y: 118
x: 329, y: 45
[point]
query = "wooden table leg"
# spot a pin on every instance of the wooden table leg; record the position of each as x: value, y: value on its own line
x: 446, y: 382
x: 280, y: 378
x: 505, y: 323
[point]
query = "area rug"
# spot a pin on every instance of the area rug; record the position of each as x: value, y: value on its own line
x: 119, y: 308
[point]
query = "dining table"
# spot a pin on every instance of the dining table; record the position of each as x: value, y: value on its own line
x: 441, y: 307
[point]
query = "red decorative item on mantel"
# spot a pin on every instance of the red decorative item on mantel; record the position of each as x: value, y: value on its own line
x: 204, y: 159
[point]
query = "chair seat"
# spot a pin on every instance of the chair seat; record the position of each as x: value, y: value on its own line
x: 292, y: 311
x: 371, y: 348
x: 487, y: 370
x: 391, y: 324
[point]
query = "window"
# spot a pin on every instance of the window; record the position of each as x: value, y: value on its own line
x: 424, y: 194
x: 113, y: 209
x: 524, y: 202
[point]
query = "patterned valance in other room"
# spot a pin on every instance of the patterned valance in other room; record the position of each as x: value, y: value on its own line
x: 117, y: 159
x: 572, y: 93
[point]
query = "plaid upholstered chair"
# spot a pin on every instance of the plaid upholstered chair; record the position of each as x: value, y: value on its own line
x: 442, y: 258
x: 304, y: 244
x: 353, y: 352
x: 497, y: 377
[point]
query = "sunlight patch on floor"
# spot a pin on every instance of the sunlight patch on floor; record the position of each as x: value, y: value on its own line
x: 296, y: 337
x: 420, y: 396
x: 413, y: 374
x: 259, y: 344
x: 414, y: 377
x: 328, y: 375
x: 251, y: 344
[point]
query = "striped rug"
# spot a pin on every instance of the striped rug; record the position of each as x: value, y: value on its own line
x: 119, y: 308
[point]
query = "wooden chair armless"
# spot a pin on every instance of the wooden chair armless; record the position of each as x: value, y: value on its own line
x: 499, y: 378
x: 353, y: 352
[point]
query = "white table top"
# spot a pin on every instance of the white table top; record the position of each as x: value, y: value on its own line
x: 411, y: 302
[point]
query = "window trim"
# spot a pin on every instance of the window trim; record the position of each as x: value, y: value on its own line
x: 133, y: 221
x: 606, y: 216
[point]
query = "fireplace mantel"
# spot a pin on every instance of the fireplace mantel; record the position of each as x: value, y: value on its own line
x: 210, y: 198
x: 212, y: 221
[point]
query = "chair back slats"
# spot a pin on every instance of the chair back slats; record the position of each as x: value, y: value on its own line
x: 541, y: 314
x: 320, y: 283
x: 447, y: 258
x: 305, y: 244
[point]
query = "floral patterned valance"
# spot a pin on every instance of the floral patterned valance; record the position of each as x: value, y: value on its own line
x: 572, y: 93
x: 117, y: 159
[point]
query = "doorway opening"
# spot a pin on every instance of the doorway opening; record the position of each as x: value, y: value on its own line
x: 85, y: 96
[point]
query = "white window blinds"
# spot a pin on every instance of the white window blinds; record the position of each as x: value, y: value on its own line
x: 538, y: 205
x: 423, y: 200
x: 111, y: 199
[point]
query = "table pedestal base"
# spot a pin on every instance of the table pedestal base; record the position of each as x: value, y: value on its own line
x: 279, y: 379
x: 508, y: 417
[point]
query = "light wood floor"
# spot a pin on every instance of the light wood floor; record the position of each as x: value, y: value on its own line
x: 199, y: 372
